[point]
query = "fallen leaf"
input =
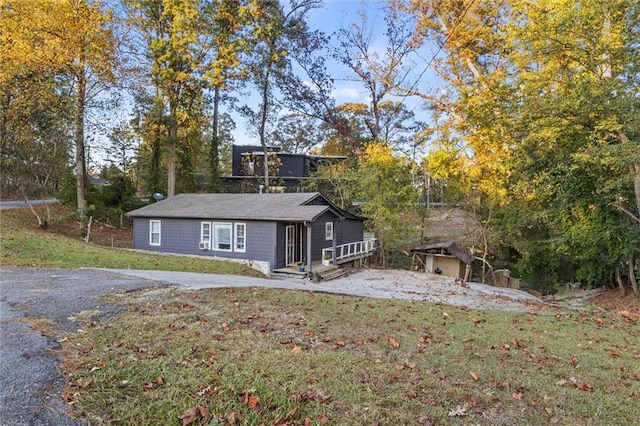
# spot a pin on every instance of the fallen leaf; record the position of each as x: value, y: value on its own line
x: 323, y: 418
x: 253, y: 401
x: 410, y: 394
x: 628, y: 315
x: 286, y: 420
x: 193, y: 414
x: 153, y: 384
x: 517, y: 396
x: 474, y: 375
x: 584, y: 387
x: 392, y: 341
x: 459, y: 411
x: 296, y: 349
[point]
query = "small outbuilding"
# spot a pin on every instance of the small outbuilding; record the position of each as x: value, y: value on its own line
x: 448, y: 258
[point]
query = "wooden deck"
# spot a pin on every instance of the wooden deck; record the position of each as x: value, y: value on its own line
x: 294, y: 271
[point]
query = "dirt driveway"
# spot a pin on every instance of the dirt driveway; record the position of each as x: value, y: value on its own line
x: 30, y: 384
x: 376, y: 283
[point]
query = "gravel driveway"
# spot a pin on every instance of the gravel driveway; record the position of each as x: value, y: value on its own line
x: 30, y: 383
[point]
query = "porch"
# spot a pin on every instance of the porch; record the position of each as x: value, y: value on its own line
x: 349, y: 252
x: 326, y: 272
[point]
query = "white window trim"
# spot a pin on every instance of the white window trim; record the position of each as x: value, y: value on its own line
x: 213, y: 236
x: 151, y: 222
x: 235, y: 237
x: 202, y: 235
x: 328, y: 231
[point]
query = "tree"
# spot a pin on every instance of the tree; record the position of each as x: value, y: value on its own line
x: 35, y: 136
x: 123, y: 148
x: 171, y: 33
x: 542, y: 95
x: 297, y: 133
x: 69, y: 38
x: 381, y: 118
x: 384, y: 185
x: 226, y: 23
x: 272, y: 28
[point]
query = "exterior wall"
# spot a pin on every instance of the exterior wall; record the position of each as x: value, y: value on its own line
x: 349, y: 230
x: 183, y: 235
x: 451, y: 266
x: 265, y: 241
x: 292, y: 165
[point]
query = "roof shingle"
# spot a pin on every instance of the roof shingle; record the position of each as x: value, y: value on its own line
x: 303, y: 206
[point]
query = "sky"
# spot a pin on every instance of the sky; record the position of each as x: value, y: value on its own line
x: 336, y: 14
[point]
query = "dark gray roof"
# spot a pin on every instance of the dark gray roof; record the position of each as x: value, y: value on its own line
x: 302, y: 206
x: 451, y: 247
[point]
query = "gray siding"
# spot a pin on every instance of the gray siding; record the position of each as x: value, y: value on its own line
x: 265, y: 240
x: 183, y: 235
x: 349, y: 230
x: 318, y: 240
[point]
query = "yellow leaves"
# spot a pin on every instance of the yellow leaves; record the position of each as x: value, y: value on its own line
x: 58, y: 36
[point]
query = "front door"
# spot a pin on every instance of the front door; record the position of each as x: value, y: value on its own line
x: 294, y: 246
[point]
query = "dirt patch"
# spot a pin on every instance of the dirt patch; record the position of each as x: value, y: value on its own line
x: 63, y: 222
x: 435, y: 288
x: 611, y: 300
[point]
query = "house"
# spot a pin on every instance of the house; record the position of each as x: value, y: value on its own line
x: 282, y: 229
x: 294, y: 169
x: 448, y: 258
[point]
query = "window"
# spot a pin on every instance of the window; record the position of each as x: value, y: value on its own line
x: 205, y: 233
x: 328, y: 230
x: 222, y: 236
x: 154, y: 232
x: 240, y: 237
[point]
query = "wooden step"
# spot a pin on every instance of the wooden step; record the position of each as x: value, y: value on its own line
x: 332, y: 273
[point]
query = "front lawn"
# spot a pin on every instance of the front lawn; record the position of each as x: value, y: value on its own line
x: 274, y: 357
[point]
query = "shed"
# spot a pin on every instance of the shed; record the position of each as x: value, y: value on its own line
x: 448, y: 258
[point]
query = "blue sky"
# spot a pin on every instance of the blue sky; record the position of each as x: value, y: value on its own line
x: 336, y: 14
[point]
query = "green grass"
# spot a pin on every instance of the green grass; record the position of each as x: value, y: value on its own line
x: 275, y: 357
x: 316, y: 358
x: 23, y: 244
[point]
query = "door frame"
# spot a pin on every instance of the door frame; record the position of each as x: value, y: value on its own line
x: 294, y: 244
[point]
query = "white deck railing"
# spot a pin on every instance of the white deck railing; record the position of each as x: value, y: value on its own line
x: 346, y: 252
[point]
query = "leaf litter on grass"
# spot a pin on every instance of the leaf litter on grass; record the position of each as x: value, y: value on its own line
x: 254, y: 356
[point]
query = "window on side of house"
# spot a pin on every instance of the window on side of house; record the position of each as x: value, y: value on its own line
x: 154, y: 233
x: 328, y: 231
x: 240, y: 239
x: 205, y: 233
x: 222, y: 236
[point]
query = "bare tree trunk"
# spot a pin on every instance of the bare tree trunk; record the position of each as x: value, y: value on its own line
x: 173, y: 141
x: 214, y: 149
x: 632, y: 278
x: 81, y: 165
x: 635, y: 169
x: 263, y: 122
x: 623, y: 291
